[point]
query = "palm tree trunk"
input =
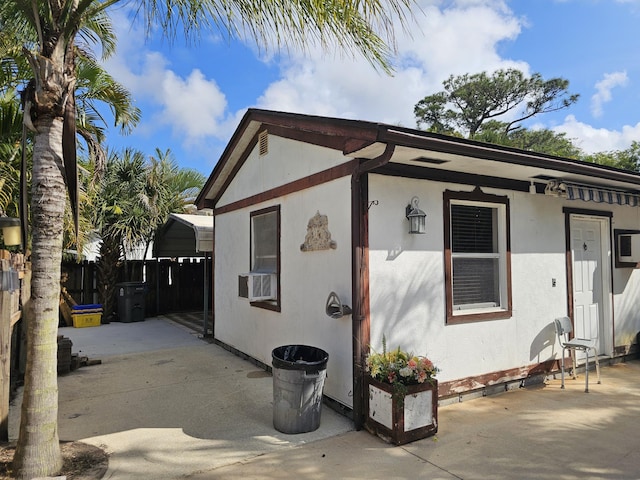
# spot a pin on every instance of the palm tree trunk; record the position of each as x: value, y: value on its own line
x: 108, y: 275
x: 38, y: 449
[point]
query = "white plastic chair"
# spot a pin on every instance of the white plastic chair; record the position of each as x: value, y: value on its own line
x: 563, y: 329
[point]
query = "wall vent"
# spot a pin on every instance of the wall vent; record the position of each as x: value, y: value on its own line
x: 263, y: 141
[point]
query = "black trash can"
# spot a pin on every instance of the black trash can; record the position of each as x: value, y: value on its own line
x: 131, y: 301
x: 298, y: 379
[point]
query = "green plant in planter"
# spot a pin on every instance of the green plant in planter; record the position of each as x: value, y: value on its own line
x: 400, y: 369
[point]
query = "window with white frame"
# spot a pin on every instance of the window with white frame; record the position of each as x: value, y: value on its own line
x: 477, y: 256
x: 264, y: 276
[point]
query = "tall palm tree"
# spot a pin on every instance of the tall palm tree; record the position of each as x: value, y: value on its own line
x: 94, y: 85
x: 55, y: 26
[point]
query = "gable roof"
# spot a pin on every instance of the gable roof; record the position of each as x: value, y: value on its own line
x: 411, y: 153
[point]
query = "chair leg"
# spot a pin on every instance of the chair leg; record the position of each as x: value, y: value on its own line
x: 562, y: 369
x: 574, y: 363
x: 586, y: 372
x: 597, y: 364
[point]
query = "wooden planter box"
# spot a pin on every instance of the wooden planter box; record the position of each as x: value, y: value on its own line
x: 401, y: 421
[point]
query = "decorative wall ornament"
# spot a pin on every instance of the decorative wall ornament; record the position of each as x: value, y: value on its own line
x: 318, y: 235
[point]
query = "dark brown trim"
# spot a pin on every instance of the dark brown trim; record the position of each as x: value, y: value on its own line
x: 218, y: 169
x: 335, y: 127
x: 314, y: 180
x: 381, y: 161
x: 274, y: 306
x: 407, y: 137
x: 355, y: 134
x: 585, y: 211
x: 334, y: 142
x: 448, y: 176
x: 477, y: 382
x: 568, y: 211
x: 361, y: 318
x: 475, y: 196
x: 243, y: 158
x: 213, y: 282
x: 568, y: 262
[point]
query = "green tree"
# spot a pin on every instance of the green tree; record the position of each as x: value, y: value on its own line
x: 468, y: 101
x: 541, y: 141
x: 628, y: 159
x: 10, y: 152
x: 53, y: 28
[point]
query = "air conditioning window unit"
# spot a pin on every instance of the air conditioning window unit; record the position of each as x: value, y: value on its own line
x: 262, y: 286
x: 629, y: 247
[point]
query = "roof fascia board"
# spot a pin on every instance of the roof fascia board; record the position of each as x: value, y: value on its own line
x: 224, y: 158
x: 462, y: 147
x: 448, y: 176
x: 354, y: 136
x: 324, y: 131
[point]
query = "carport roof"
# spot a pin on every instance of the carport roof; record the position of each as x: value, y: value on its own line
x: 184, y: 235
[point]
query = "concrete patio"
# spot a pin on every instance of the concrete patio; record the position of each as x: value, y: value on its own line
x: 166, y: 404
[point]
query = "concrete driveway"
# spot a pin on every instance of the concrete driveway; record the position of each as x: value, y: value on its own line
x: 167, y: 405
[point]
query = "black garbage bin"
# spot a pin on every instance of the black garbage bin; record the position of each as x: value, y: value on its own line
x: 298, y: 379
x: 131, y: 300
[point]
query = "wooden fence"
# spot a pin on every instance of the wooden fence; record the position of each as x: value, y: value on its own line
x: 171, y: 286
x: 15, y: 289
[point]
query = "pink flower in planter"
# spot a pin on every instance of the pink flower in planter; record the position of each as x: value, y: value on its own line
x: 399, y: 368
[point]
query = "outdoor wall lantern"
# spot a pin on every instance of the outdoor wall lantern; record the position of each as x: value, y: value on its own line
x: 10, y: 230
x: 417, y: 218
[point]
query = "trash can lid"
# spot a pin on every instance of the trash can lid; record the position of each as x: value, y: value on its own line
x: 92, y: 306
x: 300, y: 357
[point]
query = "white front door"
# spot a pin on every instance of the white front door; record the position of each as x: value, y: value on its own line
x: 588, y: 278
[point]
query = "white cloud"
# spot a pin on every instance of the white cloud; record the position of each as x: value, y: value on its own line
x: 192, y: 106
x: 603, y: 90
x: 449, y: 38
x: 314, y: 82
x: 592, y: 140
x: 317, y: 83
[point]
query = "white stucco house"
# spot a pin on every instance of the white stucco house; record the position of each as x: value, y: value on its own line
x: 306, y: 205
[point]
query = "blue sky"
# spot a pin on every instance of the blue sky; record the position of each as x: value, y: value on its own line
x: 193, y: 96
